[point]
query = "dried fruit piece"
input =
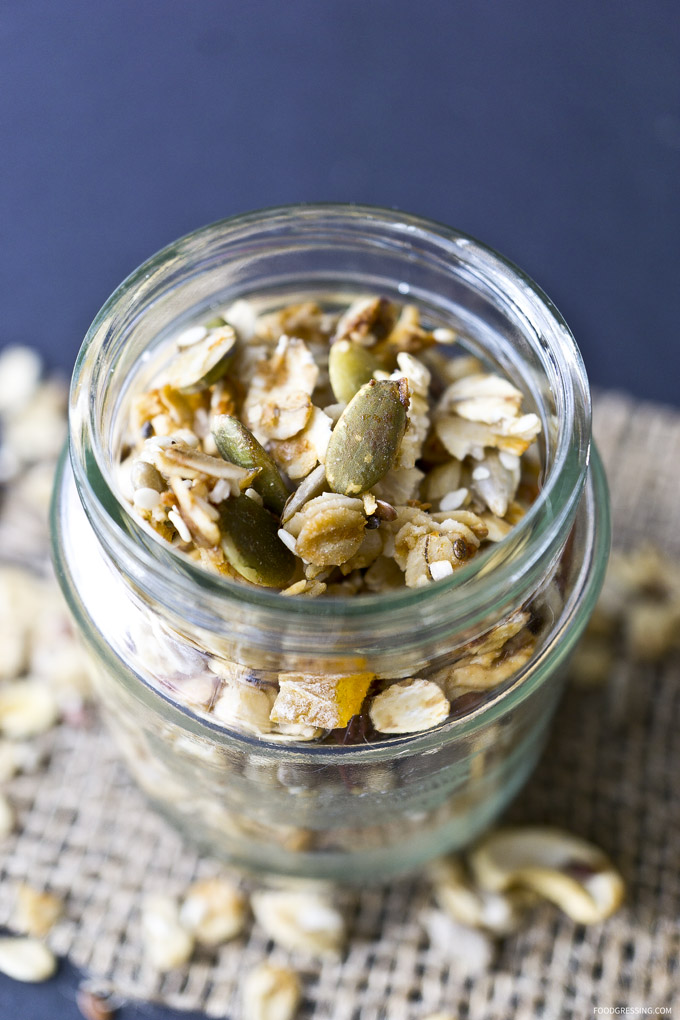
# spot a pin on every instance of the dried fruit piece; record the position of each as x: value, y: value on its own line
x: 409, y: 707
x: 202, y: 364
x: 251, y: 543
x: 326, y: 701
x: 26, y: 959
x: 366, y: 440
x: 214, y: 910
x: 238, y: 445
x: 350, y: 366
x: 300, y: 920
x: 562, y: 868
x: 271, y: 993
x: 167, y: 943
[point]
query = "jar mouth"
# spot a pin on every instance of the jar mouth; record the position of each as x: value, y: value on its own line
x: 468, y: 593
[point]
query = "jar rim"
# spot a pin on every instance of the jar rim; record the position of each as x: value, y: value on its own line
x: 470, y: 586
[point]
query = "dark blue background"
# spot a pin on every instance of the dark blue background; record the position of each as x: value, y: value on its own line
x: 549, y: 130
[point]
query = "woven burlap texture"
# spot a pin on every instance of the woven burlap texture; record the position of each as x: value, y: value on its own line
x: 610, y: 773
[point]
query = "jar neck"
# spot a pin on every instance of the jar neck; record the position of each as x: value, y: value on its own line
x: 323, y: 249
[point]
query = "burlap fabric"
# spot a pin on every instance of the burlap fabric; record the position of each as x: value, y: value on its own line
x: 610, y: 774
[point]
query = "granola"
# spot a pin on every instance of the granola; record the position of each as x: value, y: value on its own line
x: 327, y: 452
x: 262, y: 403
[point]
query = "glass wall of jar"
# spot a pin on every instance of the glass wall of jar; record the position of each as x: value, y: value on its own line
x: 174, y: 643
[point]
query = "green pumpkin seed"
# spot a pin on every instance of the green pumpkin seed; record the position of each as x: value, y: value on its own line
x: 238, y: 445
x: 366, y: 439
x: 203, y: 363
x: 145, y: 476
x: 216, y: 323
x: 251, y: 544
x: 349, y: 367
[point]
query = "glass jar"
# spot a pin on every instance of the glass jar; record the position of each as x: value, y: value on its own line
x: 156, y: 622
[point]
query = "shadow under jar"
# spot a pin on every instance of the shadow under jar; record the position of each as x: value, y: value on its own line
x: 154, y: 619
